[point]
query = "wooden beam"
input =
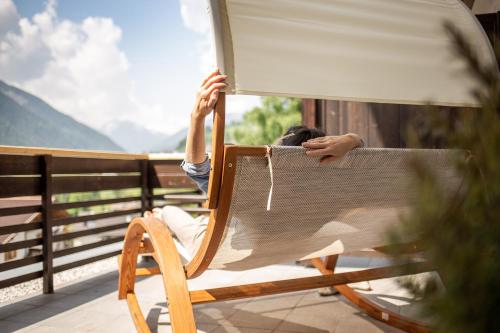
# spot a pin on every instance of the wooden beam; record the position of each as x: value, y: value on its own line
x: 69, y: 152
x: 371, y: 308
x: 217, y: 151
x: 285, y: 286
x: 47, y: 251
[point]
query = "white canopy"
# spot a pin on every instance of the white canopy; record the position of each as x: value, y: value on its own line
x: 391, y: 51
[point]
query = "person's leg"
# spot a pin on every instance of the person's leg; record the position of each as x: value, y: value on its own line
x: 188, y: 230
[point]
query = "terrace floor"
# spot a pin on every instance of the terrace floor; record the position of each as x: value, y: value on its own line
x: 91, y: 305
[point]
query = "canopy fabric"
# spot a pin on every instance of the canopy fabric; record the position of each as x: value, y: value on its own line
x: 390, y: 51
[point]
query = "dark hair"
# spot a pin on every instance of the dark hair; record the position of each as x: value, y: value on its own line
x: 296, y: 135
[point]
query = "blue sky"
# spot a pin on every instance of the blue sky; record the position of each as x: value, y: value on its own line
x: 146, y: 72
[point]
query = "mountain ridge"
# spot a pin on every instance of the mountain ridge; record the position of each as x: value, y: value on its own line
x: 28, y: 120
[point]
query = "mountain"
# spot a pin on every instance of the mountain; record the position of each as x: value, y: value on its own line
x: 27, y: 120
x: 137, y: 139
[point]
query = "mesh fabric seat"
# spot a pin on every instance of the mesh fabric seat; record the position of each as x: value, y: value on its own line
x: 319, y: 210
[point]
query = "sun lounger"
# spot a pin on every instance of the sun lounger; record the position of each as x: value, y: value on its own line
x: 274, y: 204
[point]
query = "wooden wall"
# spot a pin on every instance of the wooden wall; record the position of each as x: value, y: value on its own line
x: 380, y: 125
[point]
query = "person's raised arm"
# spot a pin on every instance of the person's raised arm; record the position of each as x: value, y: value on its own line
x: 205, y: 101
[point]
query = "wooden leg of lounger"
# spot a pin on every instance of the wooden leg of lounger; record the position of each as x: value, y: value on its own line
x: 170, y: 266
x: 372, y: 309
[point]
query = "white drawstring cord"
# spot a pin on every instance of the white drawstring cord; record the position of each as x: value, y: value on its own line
x: 270, y: 165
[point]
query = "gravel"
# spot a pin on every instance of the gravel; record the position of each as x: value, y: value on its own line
x: 63, y: 278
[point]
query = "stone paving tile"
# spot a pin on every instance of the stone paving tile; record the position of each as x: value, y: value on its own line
x: 37, y: 314
x: 9, y: 310
x: 314, y: 313
x: 92, y: 306
x: 362, y: 324
x: 208, y: 313
x: 82, y: 321
x: 265, y: 312
x: 7, y: 326
x: 227, y: 327
x: 42, y: 329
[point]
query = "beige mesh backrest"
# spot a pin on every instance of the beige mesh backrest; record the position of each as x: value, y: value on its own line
x: 319, y: 210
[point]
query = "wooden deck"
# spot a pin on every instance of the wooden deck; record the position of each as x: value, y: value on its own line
x: 91, y: 305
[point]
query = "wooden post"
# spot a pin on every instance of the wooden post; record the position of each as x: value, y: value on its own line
x: 47, y: 251
x: 309, y: 112
x: 217, y: 151
x: 146, y: 203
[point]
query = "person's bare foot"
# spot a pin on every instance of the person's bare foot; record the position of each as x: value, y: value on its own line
x: 156, y: 213
x: 327, y: 291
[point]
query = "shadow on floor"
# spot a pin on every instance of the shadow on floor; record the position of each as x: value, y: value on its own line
x: 32, y: 310
x: 155, y: 322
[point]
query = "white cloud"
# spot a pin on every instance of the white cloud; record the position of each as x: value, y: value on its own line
x: 80, y: 69
x: 76, y: 67
x: 8, y: 17
x: 194, y: 15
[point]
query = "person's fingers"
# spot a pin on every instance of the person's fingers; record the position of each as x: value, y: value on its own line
x: 320, y: 139
x: 209, y: 76
x: 318, y: 152
x: 147, y: 213
x: 214, y: 79
x: 213, y: 99
x: 328, y: 159
x: 314, y: 145
x: 205, y: 93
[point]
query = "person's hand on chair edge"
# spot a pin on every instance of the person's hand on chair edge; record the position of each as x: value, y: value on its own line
x: 332, y: 148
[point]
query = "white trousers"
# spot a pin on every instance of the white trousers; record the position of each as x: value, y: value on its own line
x: 188, y: 230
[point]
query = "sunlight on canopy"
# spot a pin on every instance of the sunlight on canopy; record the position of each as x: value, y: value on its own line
x: 389, y: 51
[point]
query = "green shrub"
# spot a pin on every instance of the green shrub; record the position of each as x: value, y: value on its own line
x: 461, y: 234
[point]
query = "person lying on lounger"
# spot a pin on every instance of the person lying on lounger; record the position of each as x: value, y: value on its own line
x: 190, y: 231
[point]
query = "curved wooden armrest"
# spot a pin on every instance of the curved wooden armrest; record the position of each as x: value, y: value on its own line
x: 170, y: 265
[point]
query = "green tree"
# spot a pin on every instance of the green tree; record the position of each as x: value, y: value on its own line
x: 261, y: 125
x: 264, y: 124
x: 461, y: 234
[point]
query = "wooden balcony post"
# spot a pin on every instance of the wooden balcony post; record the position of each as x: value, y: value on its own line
x: 146, y: 191
x: 47, y: 250
x: 217, y: 158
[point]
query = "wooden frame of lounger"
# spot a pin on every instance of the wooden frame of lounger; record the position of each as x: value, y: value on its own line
x: 160, y: 245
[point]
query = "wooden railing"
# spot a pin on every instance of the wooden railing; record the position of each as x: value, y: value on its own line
x: 48, y: 175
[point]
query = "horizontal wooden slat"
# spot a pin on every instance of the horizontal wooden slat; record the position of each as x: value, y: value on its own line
x: 72, y: 165
x: 169, y: 180
x: 313, y: 282
x: 20, y: 262
x: 197, y: 210
x: 69, y: 205
x: 93, y: 183
x: 69, y: 152
x: 19, y: 186
x: 20, y: 210
x: 19, y: 279
x: 90, y: 231
x: 85, y: 261
x: 10, y: 229
x: 19, y: 165
x: 87, y: 247
x: 194, y: 198
x: 76, y: 219
x: 168, y: 173
x: 20, y: 245
x: 166, y: 166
